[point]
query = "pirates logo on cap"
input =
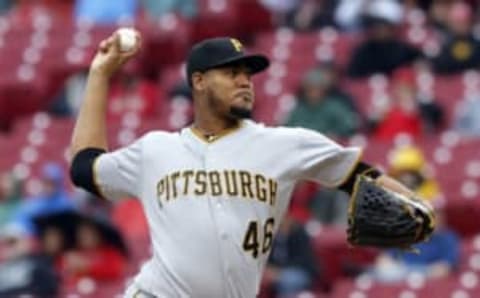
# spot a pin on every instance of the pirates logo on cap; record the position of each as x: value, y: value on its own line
x: 236, y: 44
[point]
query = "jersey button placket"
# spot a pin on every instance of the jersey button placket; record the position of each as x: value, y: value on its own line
x: 218, y: 213
x: 221, y: 230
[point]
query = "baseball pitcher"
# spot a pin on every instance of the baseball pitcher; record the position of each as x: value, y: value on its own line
x: 215, y: 192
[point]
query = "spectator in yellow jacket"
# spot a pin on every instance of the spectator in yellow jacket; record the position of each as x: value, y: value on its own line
x: 408, y: 165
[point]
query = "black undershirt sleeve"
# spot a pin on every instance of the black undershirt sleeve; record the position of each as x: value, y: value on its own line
x: 360, y: 169
x: 82, y: 172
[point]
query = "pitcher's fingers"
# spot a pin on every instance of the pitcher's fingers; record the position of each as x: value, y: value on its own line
x: 115, y: 41
x: 108, y: 43
x: 103, y: 46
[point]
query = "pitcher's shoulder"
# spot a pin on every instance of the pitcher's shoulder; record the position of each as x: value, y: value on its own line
x: 281, y: 132
x: 159, y: 135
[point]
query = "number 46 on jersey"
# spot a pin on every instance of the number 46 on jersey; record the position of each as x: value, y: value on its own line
x: 253, y: 242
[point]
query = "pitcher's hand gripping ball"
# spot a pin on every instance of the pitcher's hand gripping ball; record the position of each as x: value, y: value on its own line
x: 128, y: 39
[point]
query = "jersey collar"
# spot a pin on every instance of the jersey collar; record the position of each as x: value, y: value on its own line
x: 213, y: 138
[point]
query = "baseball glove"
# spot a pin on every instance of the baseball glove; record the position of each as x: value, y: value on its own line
x: 383, y: 218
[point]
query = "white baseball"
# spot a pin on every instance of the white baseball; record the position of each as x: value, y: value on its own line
x: 127, y: 39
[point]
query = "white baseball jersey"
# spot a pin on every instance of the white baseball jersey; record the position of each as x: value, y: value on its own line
x: 213, y: 207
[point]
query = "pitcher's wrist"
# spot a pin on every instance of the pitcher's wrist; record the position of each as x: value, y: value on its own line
x: 99, y: 73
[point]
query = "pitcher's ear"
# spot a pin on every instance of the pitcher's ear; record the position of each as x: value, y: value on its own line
x: 198, y: 81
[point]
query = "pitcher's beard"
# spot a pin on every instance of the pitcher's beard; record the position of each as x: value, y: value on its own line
x: 234, y: 113
x: 240, y: 113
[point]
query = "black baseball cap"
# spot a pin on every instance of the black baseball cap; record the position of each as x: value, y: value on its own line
x: 221, y: 51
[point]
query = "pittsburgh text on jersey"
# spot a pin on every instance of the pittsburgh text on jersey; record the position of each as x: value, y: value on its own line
x: 225, y: 183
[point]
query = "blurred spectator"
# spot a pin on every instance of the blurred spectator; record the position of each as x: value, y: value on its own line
x: 300, y: 200
x: 181, y: 89
x: 5, y: 5
x: 440, y: 254
x: 132, y: 93
x: 156, y: 9
x: 68, y: 100
x: 91, y: 204
x: 306, y: 15
x: 53, y: 198
x: 292, y: 267
x: 350, y: 14
x: 321, y: 105
x: 279, y: 9
x: 436, y: 258
x: 417, y: 4
x: 467, y: 121
x: 381, y: 51
x: 347, y: 13
x: 397, y: 118
x: 137, y: 226
x: 23, y: 271
x: 405, y: 112
x: 460, y: 50
x: 438, y: 14
x: 407, y: 164
x: 105, y: 12
x: 129, y: 92
x: 309, y: 15
x: 60, y: 107
x: 11, y: 190
x: 439, y: 11
x: 281, y: 6
x: 52, y: 242
x: 93, y: 255
x: 328, y: 206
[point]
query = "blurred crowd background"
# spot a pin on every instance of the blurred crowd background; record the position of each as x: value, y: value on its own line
x: 400, y: 78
